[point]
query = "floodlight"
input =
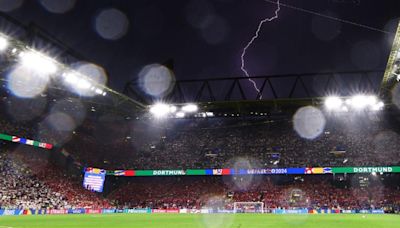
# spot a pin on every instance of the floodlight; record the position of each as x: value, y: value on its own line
x: 173, y: 109
x: 180, y: 115
x: 190, y: 108
x: 71, y: 78
x: 160, y: 110
x: 378, y: 106
x: 38, y: 62
x: 99, y: 91
x: 333, y: 103
x: 83, y: 84
x: 372, y: 100
x: 359, y: 101
x: 3, y: 43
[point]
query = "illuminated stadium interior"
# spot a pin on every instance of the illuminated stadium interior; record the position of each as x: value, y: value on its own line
x: 123, y: 138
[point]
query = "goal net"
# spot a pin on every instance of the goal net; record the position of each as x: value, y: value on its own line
x: 248, y: 207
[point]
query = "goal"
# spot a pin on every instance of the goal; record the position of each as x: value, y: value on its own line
x: 248, y: 207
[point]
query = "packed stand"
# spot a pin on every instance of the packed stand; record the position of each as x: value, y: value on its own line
x: 213, y: 144
x: 201, y: 192
x: 35, y: 184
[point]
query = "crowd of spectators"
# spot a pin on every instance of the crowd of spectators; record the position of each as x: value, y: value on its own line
x: 34, y: 183
x: 210, y: 144
x: 308, y: 192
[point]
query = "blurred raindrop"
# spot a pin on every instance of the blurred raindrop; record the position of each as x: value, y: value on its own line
x: 215, y: 204
x: 385, y: 150
x: 111, y: 24
x: 10, y: 5
x: 244, y: 182
x: 324, y: 29
x: 216, y: 31
x: 156, y: 80
x: 90, y: 78
x: 58, y: 6
x: 71, y: 107
x: 50, y: 131
x: 309, y: 122
x: 61, y: 121
x: 200, y: 14
x: 26, y: 109
x: 26, y: 83
x: 295, y: 198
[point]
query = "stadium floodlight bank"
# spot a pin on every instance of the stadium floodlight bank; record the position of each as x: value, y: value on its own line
x: 248, y: 207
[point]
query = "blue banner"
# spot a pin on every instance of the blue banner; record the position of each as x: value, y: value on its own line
x: 137, y: 211
x: 263, y: 171
x: 11, y: 212
x: 76, y: 211
x: 293, y: 211
x: 296, y: 170
x: 108, y: 211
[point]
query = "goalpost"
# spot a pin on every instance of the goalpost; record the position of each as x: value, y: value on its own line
x: 248, y: 207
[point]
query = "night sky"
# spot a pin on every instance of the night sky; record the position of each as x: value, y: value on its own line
x: 205, y: 38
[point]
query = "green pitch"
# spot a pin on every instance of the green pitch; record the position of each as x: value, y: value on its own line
x: 201, y: 221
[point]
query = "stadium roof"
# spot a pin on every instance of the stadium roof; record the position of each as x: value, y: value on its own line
x: 350, y: 49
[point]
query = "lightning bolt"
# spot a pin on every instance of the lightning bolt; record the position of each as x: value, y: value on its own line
x: 260, y: 25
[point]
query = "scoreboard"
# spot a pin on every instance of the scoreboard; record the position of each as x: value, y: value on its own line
x: 94, y: 179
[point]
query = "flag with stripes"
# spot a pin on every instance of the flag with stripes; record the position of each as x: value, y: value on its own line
x: 29, y: 142
x: 15, y: 139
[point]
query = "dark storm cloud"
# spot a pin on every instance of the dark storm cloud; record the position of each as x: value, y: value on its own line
x: 205, y: 39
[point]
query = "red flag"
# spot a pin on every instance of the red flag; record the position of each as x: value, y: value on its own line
x: 129, y: 173
x: 226, y: 171
x: 49, y: 146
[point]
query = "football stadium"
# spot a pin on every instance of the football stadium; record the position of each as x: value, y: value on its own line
x: 208, y: 114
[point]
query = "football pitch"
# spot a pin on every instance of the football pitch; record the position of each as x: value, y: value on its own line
x: 201, y: 221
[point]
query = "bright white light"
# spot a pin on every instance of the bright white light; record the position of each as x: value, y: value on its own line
x: 71, y: 78
x: 25, y: 83
x: 84, y: 84
x: 180, y: 115
x: 3, y: 43
x: 172, y: 109
x: 85, y: 78
x: 372, y: 100
x: 38, y: 62
x: 190, y: 108
x: 160, y: 110
x: 373, y: 173
x: 99, y: 91
x: 360, y: 101
x: 209, y: 114
x: 378, y: 106
x: 333, y: 103
x: 104, y: 93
